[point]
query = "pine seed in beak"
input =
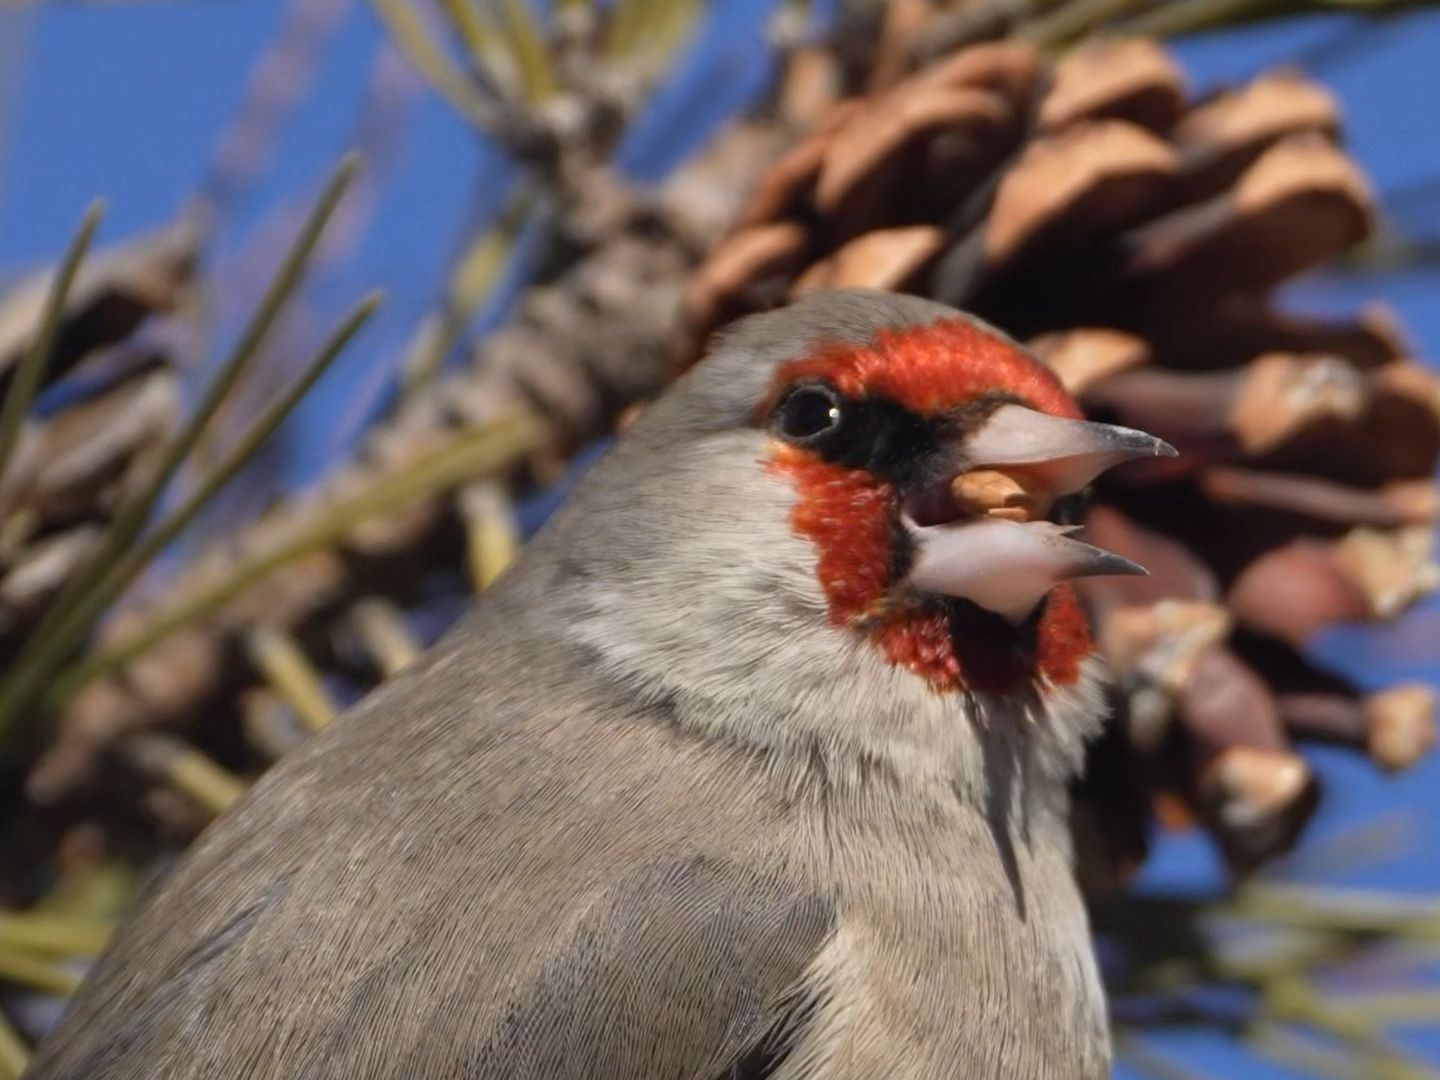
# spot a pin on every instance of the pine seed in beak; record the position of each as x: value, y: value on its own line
x: 992, y: 493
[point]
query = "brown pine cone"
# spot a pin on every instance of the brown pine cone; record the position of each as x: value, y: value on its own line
x: 1134, y: 238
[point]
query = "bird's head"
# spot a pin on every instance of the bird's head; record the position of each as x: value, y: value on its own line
x: 857, y: 482
x: 937, y: 468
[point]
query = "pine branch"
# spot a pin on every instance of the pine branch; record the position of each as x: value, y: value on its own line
x: 79, y: 601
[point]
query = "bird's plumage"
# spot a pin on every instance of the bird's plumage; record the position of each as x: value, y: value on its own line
x: 647, y: 813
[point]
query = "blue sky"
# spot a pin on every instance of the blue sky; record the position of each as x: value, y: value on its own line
x: 125, y: 100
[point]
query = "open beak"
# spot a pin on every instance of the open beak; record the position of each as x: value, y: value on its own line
x: 983, y: 534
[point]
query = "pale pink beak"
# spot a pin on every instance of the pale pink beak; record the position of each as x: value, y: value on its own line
x: 984, y: 537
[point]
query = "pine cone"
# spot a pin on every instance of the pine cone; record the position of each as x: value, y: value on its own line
x: 1134, y: 239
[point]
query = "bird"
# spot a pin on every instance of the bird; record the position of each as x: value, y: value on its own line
x: 754, y: 764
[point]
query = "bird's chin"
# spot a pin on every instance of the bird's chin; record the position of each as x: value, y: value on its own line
x: 1003, y: 566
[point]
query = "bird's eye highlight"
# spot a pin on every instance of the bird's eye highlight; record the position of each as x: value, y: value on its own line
x: 808, y: 412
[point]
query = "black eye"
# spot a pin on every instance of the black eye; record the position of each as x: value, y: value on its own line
x: 808, y: 412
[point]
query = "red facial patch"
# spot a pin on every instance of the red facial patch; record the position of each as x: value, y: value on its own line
x: 934, y: 368
x: 850, y: 514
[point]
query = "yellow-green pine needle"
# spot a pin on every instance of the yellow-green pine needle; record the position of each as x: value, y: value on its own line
x: 480, y: 452
x: 25, y: 380
x: 123, y: 573
x: 648, y: 31
x: 65, y: 623
x: 1192, y: 16
x: 14, y: 1054
x: 381, y: 626
x: 1276, y: 1042
x: 1400, y: 1007
x: 187, y: 770
x: 1187, y: 16
x: 1351, y: 911
x: 532, y: 58
x: 1150, y: 1062
x: 493, y: 538
x: 471, y: 282
x: 672, y: 27
x: 53, y: 935
x: 626, y: 18
x: 284, y: 664
x: 20, y: 968
x: 407, y: 28
x: 100, y: 890
x: 466, y: 20
x: 486, y: 49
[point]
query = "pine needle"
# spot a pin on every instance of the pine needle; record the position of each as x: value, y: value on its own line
x: 1070, y: 21
x: 70, y: 615
x: 185, y: 769
x: 30, y: 371
x: 14, y: 1054
x: 1145, y: 1059
x: 20, y: 968
x: 492, y: 536
x: 473, y: 34
x: 284, y: 664
x: 53, y: 935
x: 527, y: 45
x: 480, y: 452
x: 472, y: 281
x: 381, y: 626
x: 123, y: 573
x: 407, y: 29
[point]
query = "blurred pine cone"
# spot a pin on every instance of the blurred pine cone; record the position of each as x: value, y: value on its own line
x: 1135, y: 238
